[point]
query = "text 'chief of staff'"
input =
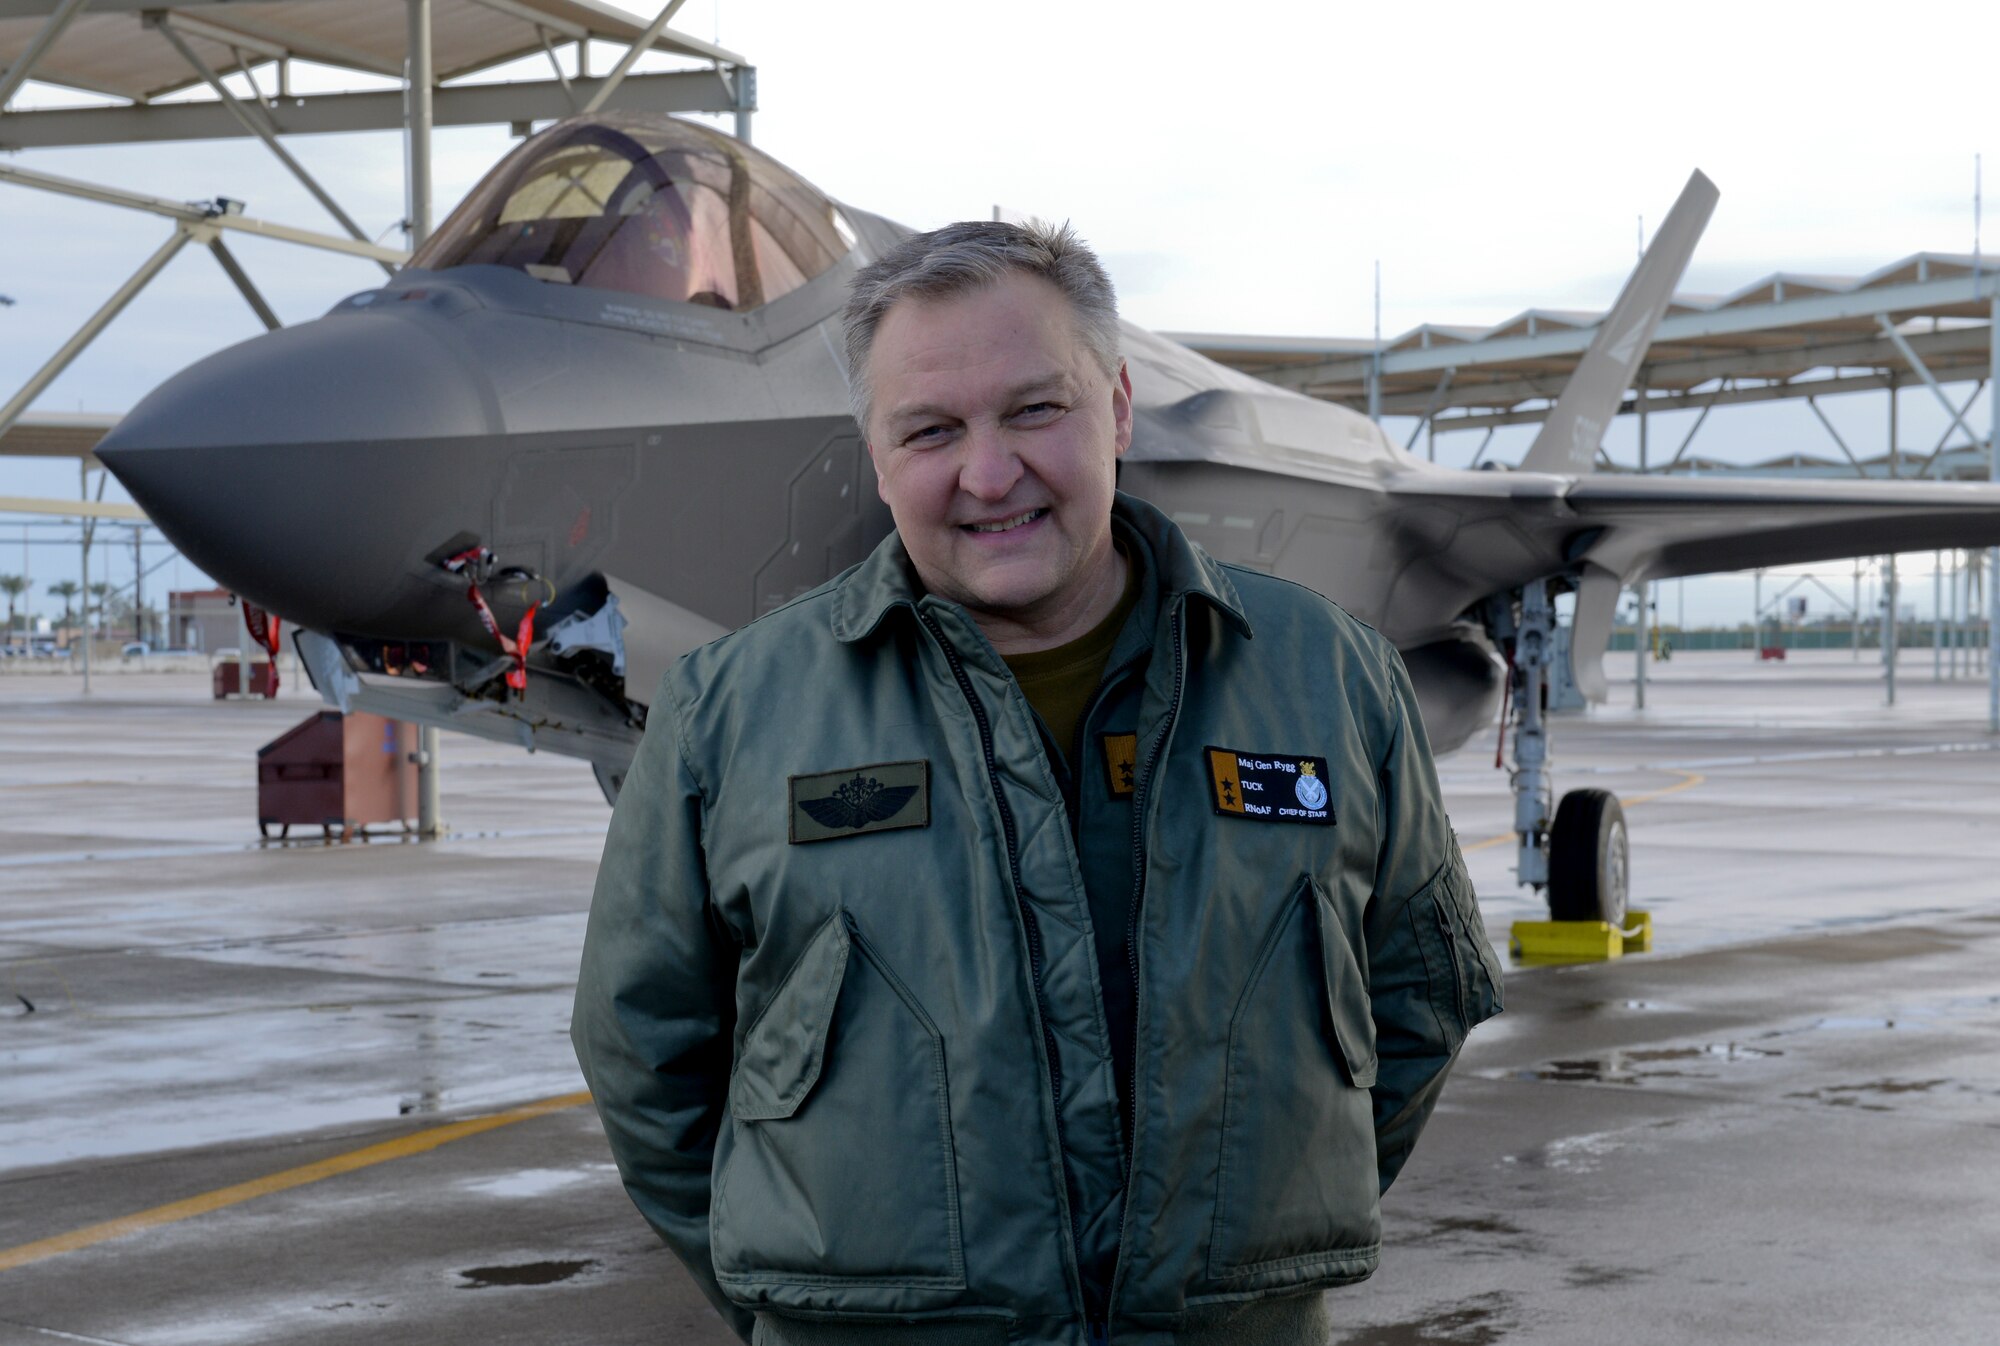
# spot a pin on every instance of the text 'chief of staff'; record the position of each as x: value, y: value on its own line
x: 1039, y: 933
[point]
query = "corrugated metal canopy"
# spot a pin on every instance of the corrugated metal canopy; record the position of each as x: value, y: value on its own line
x: 55, y: 434
x: 112, y: 48
x: 1769, y: 332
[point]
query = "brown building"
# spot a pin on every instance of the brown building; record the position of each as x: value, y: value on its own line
x: 206, y: 620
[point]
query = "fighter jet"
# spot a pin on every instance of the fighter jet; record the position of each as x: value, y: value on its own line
x: 601, y: 418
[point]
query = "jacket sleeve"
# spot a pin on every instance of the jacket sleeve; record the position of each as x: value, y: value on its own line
x: 1432, y: 974
x: 655, y: 1003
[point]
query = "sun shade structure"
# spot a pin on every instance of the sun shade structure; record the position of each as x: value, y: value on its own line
x: 1926, y: 319
x: 139, y: 52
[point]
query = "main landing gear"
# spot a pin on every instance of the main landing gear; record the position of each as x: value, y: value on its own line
x: 1579, y: 854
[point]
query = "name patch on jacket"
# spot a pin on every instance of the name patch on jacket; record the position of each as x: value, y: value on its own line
x: 1272, y: 787
x: 876, y: 798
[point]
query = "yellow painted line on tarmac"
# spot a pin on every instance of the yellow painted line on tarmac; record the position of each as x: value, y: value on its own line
x: 1688, y: 780
x: 366, y: 1157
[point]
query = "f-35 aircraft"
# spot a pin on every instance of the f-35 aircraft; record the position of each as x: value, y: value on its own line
x: 601, y: 418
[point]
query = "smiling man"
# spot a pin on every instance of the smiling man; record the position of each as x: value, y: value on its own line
x: 1040, y: 933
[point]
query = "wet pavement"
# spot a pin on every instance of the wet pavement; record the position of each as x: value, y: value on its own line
x: 1779, y: 1127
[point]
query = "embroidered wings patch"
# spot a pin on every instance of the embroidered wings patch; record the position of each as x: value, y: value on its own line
x: 875, y: 798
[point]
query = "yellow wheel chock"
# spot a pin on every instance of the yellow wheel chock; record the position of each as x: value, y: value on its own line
x: 1544, y: 942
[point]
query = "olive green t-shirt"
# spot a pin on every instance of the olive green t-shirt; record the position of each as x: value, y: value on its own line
x: 1060, y: 683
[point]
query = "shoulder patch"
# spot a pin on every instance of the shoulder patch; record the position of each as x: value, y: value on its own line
x: 879, y: 797
x: 1121, y: 763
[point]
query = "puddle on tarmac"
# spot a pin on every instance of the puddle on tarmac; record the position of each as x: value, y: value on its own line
x: 1588, y: 1007
x: 1637, y: 1065
x: 1853, y: 1095
x: 531, y: 1182
x: 1479, y: 1321
x: 523, y: 1273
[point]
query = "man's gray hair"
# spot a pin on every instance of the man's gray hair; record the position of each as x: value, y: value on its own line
x: 968, y: 256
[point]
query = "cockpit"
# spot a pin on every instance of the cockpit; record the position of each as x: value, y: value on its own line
x: 648, y: 205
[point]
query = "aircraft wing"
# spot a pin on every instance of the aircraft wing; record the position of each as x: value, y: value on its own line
x: 1453, y: 539
x: 1660, y: 527
x: 1464, y: 536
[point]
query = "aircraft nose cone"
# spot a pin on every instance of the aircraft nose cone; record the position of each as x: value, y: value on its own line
x: 312, y: 469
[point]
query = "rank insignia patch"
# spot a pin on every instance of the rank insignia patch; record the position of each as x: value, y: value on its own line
x: 1270, y: 787
x: 1121, y: 763
x: 876, y: 798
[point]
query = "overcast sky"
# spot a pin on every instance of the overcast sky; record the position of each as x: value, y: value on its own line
x: 1241, y: 167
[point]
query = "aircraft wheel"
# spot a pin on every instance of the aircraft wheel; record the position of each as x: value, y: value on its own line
x: 1588, y: 860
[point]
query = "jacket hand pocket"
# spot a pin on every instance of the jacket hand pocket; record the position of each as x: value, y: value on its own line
x: 837, y: 1167
x: 1459, y: 962
x: 1296, y: 1192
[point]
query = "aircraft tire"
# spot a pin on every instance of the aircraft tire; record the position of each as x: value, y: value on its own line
x: 1589, y: 863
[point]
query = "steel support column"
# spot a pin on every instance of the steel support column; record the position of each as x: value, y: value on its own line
x: 418, y: 81
x: 1639, y: 648
x: 1639, y: 401
x: 1993, y: 553
x: 1890, y: 636
x: 83, y: 490
x: 430, y: 823
x: 38, y: 47
x: 1937, y: 616
x: 745, y: 89
x: 96, y: 323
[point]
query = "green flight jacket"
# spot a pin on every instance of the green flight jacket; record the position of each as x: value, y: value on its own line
x: 852, y: 1060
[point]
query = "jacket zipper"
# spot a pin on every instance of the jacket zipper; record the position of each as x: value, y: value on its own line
x: 1450, y: 934
x: 1139, y: 801
x: 1020, y: 901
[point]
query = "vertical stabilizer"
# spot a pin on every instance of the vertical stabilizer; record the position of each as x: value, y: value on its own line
x: 1569, y: 438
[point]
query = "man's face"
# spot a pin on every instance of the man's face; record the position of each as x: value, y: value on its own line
x: 995, y: 437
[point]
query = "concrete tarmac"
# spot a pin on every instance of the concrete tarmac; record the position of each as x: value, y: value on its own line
x: 333, y: 1086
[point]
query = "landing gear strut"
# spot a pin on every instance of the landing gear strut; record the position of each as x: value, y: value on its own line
x: 1578, y: 851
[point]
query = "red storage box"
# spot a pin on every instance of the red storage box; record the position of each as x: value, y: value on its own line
x: 337, y: 771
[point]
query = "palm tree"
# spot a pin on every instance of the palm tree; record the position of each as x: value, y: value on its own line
x: 13, y: 586
x: 101, y: 591
x: 66, y: 590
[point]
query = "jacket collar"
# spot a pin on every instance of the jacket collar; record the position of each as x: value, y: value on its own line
x: 888, y: 580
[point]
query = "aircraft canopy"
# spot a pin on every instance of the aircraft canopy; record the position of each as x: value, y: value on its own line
x: 648, y: 205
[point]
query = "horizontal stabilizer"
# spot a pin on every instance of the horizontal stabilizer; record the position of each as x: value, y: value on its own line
x: 1569, y: 438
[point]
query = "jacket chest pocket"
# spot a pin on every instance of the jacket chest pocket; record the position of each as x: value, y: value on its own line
x: 837, y: 1166
x: 1296, y: 1186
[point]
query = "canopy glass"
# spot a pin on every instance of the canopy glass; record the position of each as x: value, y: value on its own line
x: 648, y: 205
